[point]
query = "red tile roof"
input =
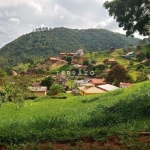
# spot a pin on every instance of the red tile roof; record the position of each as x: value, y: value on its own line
x: 98, y: 81
x: 111, y: 59
x: 126, y: 84
x: 52, y: 58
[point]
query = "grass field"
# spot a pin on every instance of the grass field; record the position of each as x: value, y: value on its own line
x: 117, y: 112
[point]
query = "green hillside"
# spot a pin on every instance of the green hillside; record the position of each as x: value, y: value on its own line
x: 41, y: 44
x: 45, y: 119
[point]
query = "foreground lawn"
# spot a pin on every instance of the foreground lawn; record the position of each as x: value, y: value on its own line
x: 118, y: 112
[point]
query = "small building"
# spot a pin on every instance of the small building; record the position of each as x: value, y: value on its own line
x: 89, y: 89
x: 81, y: 82
x: 62, y: 80
x: 62, y: 55
x: 79, y: 52
x: 52, y: 60
x: 14, y: 73
x: 129, y: 55
x: 97, y: 82
x: 125, y: 85
x: 70, y: 54
x: 80, y: 66
x: 75, y: 61
x: 107, y: 87
x: 38, y: 90
x: 111, y: 60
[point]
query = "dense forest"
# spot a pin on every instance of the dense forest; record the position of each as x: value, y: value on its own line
x: 42, y: 43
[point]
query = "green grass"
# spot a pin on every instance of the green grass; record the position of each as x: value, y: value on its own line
x: 134, y: 74
x: 22, y: 67
x: 116, y: 112
x: 63, y: 68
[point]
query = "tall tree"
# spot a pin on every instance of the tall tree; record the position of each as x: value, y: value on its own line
x: 117, y: 74
x: 48, y: 81
x: 132, y: 15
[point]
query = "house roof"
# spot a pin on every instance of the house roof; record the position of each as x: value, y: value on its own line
x: 92, y: 90
x: 107, y: 87
x: 62, y: 53
x: 38, y: 88
x: 70, y: 54
x: 60, y: 76
x: 89, y: 85
x: 125, y: 84
x: 80, y: 66
x: 130, y: 53
x: 52, y: 58
x: 98, y: 81
x: 111, y: 59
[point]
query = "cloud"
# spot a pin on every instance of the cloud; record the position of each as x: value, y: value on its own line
x: 61, y: 16
x: 14, y: 20
x: 25, y: 16
x: 35, y: 6
x: 109, y: 24
x: 1, y: 14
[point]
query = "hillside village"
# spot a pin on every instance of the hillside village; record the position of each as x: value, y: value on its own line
x: 75, y: 75
x: 83, y: 73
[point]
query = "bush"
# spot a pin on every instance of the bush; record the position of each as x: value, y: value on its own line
x: 140, y: 67
x: 59, y: 97
x: 56, y: 89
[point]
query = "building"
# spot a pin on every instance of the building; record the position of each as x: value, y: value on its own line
x: 129, y: 55
x: 107, y: 87
x: 89, y: 89
x: 111, y: 60
x: 39, y: 90
x: 81, y: 82
x: 97, y: 82
x: 52, y: 60
x: 14, y: 73
x: 62, y: 55
x: 125, y: 85
x: 80, y: 66
x: 61, y: 80
x: 79, y: 52
x: 70, y: 54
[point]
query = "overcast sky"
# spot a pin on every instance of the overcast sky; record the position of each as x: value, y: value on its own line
x: 18, y: 17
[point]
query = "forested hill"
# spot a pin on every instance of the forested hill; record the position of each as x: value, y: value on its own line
x: 51, y: 42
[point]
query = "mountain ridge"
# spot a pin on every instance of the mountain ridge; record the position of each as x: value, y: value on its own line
x: 51, y: 42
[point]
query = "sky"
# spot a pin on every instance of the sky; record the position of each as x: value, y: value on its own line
x: 18, y: 17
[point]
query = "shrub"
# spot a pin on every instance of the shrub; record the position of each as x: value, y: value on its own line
x: 56, y: 89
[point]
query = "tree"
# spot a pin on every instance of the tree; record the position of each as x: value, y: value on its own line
x: 69, y: 60
x: 140, y: 67
x: 132, y: 15
x: 56, y: 89
x: 2, y: 75
x: 86, y: 62
x: 93, y: 61
x: 140, y: 56
x: 148, y: 55
x: 2, y: 95
x: 142, y: 77
x: 117, y: 74
x: 113, y: 64
x: 48, y: 81
x: 131, y: 63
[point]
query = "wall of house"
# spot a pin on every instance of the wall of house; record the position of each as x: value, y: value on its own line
x: 40, y: 93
